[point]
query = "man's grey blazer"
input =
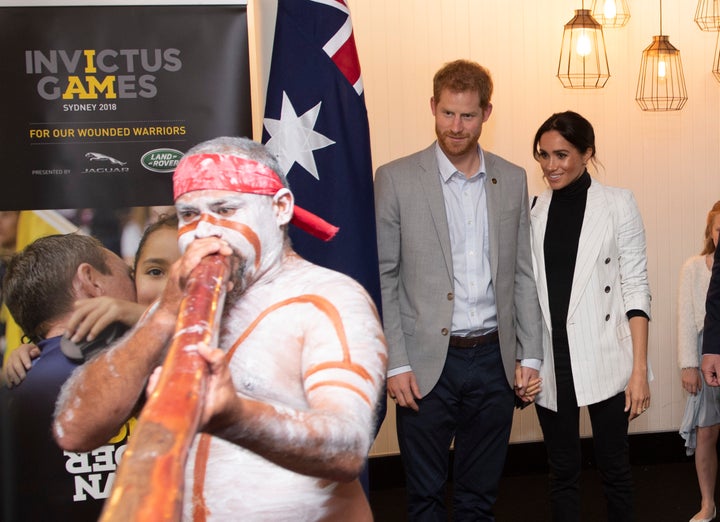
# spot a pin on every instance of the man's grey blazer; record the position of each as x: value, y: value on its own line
x: 416, y: 272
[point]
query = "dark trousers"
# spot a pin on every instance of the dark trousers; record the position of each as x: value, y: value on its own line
x: 472, y: 402
x: 562, y: 439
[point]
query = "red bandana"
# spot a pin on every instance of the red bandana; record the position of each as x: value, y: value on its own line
x: 226, y: 172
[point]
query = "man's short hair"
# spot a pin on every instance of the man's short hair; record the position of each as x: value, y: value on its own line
x: 462, y: 76
x: 38, y: 281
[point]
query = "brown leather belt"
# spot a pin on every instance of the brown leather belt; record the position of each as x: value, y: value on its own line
x: 471, y: 342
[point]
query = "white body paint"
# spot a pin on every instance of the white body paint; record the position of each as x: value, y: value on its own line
x: 272, y: 365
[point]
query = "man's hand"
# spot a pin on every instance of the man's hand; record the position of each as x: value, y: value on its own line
x: 710, y: 368
x: 179, y: 273
x: 527, y: 382
x: 220, y: 393
x: 403, y: 389
x: 221, y: 397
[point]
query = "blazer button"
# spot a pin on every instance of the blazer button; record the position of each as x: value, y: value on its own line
x: 607, y: 289
x: 450, y: 296
x: 607, y: 317
x: 607, y: 260
x: 444, y: 331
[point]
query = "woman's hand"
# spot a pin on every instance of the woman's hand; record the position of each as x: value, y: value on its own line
x: 637, y: 394
x: 91, y: 316
x: 18, y: 363
x: 691, y: 380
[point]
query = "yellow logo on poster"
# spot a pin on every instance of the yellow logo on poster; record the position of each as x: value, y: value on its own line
x: 108, y: 73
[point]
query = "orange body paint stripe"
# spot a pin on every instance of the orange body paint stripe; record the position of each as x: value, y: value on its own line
x: 319, y: 302
x: 241, y: 228
x: 354, y: 368
x: 342, y: 384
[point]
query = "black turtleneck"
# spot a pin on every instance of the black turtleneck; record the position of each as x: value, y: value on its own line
x: 562, y: 234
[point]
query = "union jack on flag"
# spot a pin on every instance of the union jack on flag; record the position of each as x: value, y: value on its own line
x: 316, y: 124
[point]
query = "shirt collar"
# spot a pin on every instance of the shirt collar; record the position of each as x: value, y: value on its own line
x: 447, y: 169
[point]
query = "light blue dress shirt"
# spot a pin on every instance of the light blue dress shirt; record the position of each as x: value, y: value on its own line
x: 474, y: 311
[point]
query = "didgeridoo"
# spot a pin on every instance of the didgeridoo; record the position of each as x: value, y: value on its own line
x: 149, y: 481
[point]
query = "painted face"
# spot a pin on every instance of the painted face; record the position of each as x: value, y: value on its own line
x: 118, y: 284
x: 248, y: 222
x: 716, y: 230
x: 458, y: 122
x: 560, y: 161
x: 159, y: 252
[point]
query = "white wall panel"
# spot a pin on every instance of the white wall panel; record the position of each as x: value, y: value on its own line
x: 669, y: 160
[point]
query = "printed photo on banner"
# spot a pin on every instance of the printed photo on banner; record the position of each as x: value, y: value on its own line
x: 102, y: 101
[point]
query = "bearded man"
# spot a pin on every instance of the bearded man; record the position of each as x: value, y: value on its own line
x: 460, y: 307
x: 288, y: 416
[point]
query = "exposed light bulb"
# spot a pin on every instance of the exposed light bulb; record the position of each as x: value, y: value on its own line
x: 661, y: 69
x: 610, y: 10
x: 583, y: 46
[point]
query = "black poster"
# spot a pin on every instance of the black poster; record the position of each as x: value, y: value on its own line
x: 101, y: 102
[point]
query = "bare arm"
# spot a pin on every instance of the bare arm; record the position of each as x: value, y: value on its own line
x: 637, y: 393
x: 102, y: 393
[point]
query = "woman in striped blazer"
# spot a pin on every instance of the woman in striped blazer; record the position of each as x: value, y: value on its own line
x: 588, y: 244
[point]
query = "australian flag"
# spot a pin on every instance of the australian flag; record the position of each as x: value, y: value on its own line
x: 316, y: 124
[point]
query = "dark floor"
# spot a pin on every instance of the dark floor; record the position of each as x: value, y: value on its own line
x: 665, y: 484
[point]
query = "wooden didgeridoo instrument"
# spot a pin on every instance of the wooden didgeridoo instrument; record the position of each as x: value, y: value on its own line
x: 149, y: 481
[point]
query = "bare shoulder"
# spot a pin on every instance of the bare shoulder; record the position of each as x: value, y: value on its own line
x: 301, y: 277
x: 333, y: 284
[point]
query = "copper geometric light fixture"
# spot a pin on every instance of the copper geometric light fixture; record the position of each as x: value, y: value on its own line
x: 661, y: 83
x: 716, y: 62
x: 611, y: 13
x: 707, y: 15
x: 583, y: 60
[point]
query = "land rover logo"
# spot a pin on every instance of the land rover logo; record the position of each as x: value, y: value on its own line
x: 161, y: 160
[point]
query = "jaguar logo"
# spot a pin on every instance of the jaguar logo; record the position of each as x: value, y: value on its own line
x: 96, y: 156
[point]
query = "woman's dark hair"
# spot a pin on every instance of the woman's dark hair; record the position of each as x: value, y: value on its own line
x: 574, y: 128
x: 164, y: 221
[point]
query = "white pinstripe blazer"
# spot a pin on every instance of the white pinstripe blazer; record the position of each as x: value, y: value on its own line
x: 610, y: 279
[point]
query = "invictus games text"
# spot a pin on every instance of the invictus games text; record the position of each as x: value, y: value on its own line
x: 90, y: 74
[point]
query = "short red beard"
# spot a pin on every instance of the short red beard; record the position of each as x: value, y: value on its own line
x: 450, y: 148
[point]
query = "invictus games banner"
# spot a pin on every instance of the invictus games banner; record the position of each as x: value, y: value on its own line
x: 100, y: 102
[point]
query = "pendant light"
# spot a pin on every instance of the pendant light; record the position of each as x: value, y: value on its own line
x: 583, y: 59
x: 661, y: 83
x: 707, y: 15
x: 716, y: 62
x: 611, y: 13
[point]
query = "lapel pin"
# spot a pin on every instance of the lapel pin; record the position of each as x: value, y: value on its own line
x: 494, y: 181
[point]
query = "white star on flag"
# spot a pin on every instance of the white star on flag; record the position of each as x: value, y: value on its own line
x: 293, y: 139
